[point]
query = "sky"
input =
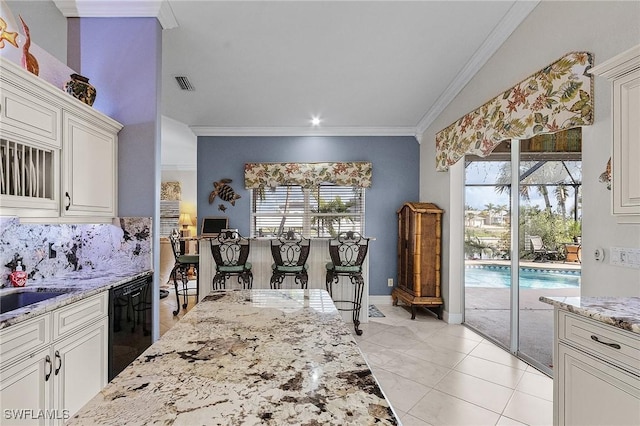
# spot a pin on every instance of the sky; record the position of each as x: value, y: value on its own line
x: 485, y: 172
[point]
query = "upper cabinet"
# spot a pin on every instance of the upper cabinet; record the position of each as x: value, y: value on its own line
x: 624, y: 73
x: 58, y: 156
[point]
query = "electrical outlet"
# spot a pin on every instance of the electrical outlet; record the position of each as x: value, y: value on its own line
x: 390, y: 282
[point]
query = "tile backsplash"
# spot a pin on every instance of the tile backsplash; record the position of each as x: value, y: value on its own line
x: 50, y: 250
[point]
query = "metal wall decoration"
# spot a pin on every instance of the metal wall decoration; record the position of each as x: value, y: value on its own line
x: 223, y: 190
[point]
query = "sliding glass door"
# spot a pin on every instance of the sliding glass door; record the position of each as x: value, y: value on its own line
x: 519, y: 242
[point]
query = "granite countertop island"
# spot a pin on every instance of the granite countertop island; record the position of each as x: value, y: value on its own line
x: 620, y: 312
x: 248, y: 357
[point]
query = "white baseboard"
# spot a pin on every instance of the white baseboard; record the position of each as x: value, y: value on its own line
x: 447, y: 317
x: 452, y: 318
x: 380, y: 300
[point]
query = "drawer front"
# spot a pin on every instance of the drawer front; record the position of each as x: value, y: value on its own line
x: 27, y: 115
x: 70, y: 318
x: 617, y: 346
x: 21, y: 340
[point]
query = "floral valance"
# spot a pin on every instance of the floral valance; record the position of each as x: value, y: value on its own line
x: 558, y: 97
x: 260, y: 175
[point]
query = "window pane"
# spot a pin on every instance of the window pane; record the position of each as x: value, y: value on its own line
x: 323, y: 211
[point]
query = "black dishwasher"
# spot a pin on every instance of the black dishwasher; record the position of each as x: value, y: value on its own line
x: 129, y: 322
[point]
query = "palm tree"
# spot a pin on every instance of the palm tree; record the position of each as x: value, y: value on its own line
x: 490, y: 207
x: 562, y: 193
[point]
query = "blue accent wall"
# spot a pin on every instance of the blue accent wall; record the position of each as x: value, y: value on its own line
x: 396, y: 174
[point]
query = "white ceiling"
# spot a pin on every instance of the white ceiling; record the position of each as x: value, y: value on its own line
x: 362, y: 67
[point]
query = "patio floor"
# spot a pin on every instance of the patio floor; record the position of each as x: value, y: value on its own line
x: 487, y: 310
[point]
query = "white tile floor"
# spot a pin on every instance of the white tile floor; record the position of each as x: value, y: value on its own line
x: 439, y: 374
x: 435, y: 373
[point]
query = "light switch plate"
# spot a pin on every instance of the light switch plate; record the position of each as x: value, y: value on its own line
x: 627, y: 257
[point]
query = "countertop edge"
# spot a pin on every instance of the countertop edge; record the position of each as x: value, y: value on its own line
x: 31, y: 311
x: 620, y: 312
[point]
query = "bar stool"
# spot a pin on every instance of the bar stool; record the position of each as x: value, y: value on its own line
x: 348, y: 251
x: 184, y: 262
x: 230, y: 251
x: 290, y: 252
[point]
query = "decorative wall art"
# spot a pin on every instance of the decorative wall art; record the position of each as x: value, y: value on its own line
x: 170, y: 191
x: 225, y: 192
x: 605, y: 177
x: 558, y: 97
x: 170, y: 197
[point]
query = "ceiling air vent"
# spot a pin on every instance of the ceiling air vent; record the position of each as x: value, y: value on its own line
x: 184, y: 83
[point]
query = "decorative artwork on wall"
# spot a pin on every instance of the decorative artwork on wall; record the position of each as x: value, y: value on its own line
x: 222, y: 189
x: 170, y: 191
x: 605, y: 177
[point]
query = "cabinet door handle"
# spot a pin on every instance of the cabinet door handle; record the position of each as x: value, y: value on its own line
x: 66, y: 194
x: 613, y: 345
x: 47, y: 360
x: 59, y: 359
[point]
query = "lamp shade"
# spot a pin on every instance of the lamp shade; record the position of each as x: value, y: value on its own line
x: 185, y: 219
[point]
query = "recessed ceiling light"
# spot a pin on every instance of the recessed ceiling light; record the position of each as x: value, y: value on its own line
x: 315, y: 121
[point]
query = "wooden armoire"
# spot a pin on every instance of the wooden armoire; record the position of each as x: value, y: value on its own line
x: 419, y: 249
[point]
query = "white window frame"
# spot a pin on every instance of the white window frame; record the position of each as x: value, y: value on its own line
x: 308, y: 214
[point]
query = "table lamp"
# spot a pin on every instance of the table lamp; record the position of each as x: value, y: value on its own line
x: 185, y: 221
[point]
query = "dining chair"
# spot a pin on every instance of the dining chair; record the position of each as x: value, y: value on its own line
x: 289, y: 251
x: 348, y: 252
x: 183, y: 264
x: 230, y: 252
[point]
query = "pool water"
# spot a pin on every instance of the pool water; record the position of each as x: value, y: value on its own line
x: 500, y: 277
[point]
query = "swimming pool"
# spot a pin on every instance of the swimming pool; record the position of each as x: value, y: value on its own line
x: 493, y: 276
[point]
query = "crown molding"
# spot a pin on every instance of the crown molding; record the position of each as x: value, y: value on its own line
x: 511, y: 20
x: 119, y: 9
x: 302, y: 131
x: 178, y: 167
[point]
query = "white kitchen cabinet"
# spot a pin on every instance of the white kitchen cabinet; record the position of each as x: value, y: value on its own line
x: 89, y: 169
x: 623, y: 71
x: 596, y: 373
x: 80, y: 366
x: 62, y: 364
x: 58, y: 156
x: 24, y: 391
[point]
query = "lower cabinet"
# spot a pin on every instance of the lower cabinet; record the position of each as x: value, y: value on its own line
x: 80, y: 367
x: 596, y: 379
x: 48, y: 384
x: 25, y: 390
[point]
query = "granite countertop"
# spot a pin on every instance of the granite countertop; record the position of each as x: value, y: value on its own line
x: 75, y: 286
x: 620, y: 312
x: 248, y: 357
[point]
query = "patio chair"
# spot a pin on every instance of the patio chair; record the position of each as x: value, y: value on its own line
x: 541, y: 253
